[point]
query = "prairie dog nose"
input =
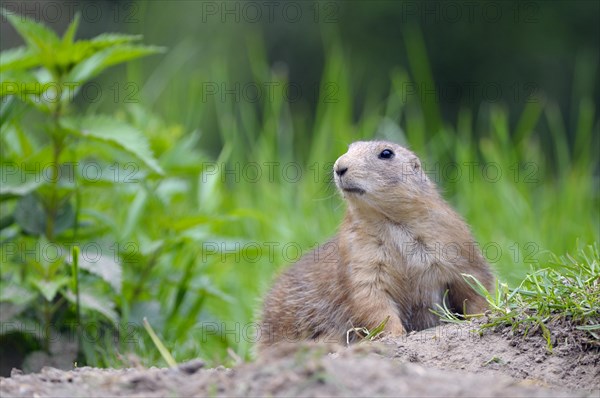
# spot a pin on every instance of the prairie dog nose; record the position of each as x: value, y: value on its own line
x: 340, y: 170
x: 340, y: 167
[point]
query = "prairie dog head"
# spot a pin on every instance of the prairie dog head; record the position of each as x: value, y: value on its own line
x: 382, y: 176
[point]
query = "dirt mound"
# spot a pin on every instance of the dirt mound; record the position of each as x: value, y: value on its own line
x: 449, y: 361
x: 462, y: 347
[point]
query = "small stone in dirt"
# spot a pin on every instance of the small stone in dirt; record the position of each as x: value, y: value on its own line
x: 16, y: 372
x: 142, y: 382
x: 413, y: 357
x: 52, y: 374
x: 192, y: 366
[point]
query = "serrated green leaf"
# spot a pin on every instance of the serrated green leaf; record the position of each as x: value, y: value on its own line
x: 50, y: 288
x: 15, y: 294
x: 110, y: 39
x: 116, y: 133
x: 65, y: 218
x: 20, y: 189
x: 68, y: 56
x: 35, y: 34
x: 110, y: 56
x: 20, y: 83
x: 17, y: 183
x: 30, y: 215
x: 95, y: 303
x: 19, y: 58
x: 34, y: 87
x: 69, y: 35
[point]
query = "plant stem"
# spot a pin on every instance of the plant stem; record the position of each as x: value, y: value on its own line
x: 75, y: 287
x: 47, y: 321
x: 57, y: 147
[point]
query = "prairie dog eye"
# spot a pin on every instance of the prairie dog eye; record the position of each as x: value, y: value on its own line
x: 386, y: 154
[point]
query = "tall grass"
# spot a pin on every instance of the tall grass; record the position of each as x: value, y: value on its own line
x: 524, y: 194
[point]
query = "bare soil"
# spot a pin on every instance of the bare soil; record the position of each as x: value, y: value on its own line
x: 447, y: 361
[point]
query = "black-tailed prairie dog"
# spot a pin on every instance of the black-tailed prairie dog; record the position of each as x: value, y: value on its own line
x: 400, y: 250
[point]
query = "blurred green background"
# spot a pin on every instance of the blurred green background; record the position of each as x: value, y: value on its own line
x: 245, y: 113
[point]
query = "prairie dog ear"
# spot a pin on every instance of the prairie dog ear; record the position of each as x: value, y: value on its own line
x: 416, y: 164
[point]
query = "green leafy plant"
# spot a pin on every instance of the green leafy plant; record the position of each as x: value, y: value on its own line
x: 43, y: 222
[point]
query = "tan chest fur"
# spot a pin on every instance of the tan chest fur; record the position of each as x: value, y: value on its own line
x: 390, y: 259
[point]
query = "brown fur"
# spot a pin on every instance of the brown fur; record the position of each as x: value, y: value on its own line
x: 398, y: 250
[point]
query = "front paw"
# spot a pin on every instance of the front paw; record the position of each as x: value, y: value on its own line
x: 394, y: 327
